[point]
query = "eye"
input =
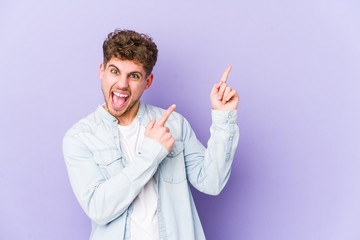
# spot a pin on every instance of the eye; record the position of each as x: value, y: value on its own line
x: 133, y: 75
x: 114, y: 71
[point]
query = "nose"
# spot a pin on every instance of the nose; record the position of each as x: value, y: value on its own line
x: 122, y: 82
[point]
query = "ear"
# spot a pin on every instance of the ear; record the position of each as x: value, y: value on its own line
x: 101, y: 70
x: 149, y: 80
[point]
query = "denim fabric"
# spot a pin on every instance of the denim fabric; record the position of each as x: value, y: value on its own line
x: 105, y: 184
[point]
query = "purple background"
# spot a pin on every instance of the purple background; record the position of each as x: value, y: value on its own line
x: 296, y: 66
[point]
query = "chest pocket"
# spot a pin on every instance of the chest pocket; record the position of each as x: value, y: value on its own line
x: 172, y: 168
x: 109, y: 161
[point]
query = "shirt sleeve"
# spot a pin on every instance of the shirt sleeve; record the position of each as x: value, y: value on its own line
x: 208, y: 169
x: 103, y: 199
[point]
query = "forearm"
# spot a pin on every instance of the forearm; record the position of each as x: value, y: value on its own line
x: 106, y: 199
x: 209, y: 169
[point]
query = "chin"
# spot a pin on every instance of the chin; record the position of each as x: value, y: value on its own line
x: 116, y: 112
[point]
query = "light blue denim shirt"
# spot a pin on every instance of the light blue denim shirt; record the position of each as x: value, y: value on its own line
x: 105, y: 184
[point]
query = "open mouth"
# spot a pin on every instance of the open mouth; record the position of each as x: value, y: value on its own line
x: 118, y: 99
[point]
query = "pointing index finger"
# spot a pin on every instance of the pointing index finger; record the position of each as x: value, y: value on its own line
x: 225, y: 74
x: 166, y: 115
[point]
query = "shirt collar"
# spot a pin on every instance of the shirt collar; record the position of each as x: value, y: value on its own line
x: 142, y: 115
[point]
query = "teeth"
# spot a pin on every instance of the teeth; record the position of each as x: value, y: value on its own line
x: 120, y: 95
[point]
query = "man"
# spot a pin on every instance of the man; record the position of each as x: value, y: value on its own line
x: 129, y: 163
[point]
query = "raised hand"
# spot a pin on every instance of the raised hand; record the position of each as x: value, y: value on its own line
x: 159, y: 132
x: 222, y: 97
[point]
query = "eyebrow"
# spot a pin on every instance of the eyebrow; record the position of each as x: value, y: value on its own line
x: 112, y: 65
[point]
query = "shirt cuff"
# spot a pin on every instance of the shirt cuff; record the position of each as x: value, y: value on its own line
x: 153, y: 149
x: 224, y: 116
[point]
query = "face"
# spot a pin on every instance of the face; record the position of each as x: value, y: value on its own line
x: 123, y: 82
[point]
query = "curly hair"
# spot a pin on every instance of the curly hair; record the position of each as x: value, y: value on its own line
x: 130, y: 45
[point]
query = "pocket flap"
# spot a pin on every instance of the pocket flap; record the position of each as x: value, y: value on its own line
x: 176, y: 149
x: 106, y: 156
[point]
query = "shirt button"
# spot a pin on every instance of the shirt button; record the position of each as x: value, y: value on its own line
x: 105, y: 161
x: 127, y: 214
x: 159, y: 210
x: 230, y: 138
x: 172, y: 152
x: 114, y: 120
x: 229, y: 116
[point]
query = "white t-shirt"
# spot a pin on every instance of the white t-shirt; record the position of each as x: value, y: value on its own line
x: 143, y: 219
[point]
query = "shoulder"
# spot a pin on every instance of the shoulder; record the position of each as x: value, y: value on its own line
x: 87, y: 124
